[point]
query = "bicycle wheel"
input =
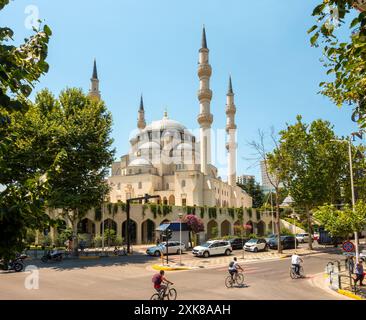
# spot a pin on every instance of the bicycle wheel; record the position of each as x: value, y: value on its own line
x: 172, y: 294
x: 239, y: 279
x: 155, y: 296
x: 301, y: 272
x: 292, y: 273
x: 229, y: 282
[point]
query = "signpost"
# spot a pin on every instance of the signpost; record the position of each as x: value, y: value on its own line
x: 348, y: 246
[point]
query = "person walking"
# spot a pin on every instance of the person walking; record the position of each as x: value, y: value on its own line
x: 350, y: 264
x: 359, y: 273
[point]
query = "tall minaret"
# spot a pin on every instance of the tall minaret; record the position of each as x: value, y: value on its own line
x: 205, y: 117
x: 141, y: 123
x: 94, y: 89
x: 231, y: 131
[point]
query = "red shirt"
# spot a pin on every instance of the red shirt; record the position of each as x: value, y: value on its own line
x: 158, y: 284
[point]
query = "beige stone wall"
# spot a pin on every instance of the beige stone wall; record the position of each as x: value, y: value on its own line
x: 223, y: 221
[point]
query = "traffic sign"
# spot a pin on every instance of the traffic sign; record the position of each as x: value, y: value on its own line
x: 348, y: 246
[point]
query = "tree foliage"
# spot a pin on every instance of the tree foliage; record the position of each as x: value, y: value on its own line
x: 344, y: 60
x: 310, y: 164
x: 194, y: 223
x: 253, y: 188
x: 24, y: 195
x: 341, y: 223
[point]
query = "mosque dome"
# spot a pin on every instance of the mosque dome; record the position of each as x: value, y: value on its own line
x: 140, y: 162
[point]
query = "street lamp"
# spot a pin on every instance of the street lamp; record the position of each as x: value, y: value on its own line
x: 352, y: 187
x: 180, y: 214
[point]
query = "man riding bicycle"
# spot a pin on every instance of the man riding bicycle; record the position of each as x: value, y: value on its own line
x: 234, y: 267
x: 158, y: 280
x: 295, y: 262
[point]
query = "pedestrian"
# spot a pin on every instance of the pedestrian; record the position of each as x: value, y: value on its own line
x: 359, y: 273
x: 157, y: 242
x: 350, y: 264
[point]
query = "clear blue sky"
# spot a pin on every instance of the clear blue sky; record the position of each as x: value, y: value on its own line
x: 152, y: 47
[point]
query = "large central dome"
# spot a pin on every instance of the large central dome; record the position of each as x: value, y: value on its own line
x: 165, y: 124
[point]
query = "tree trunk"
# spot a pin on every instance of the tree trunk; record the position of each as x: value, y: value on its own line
x: 310, y: 227
x: 278, y: 221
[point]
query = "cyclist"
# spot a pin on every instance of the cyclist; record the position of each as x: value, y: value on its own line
x: 295, y: 262
x: 158, y: 280
x: 233, y: 268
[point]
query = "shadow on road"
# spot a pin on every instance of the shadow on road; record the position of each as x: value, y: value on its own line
x: 69, y: 264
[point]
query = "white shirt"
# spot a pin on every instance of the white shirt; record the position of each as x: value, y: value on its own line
x: 295, y: 259
x: 235, y: 266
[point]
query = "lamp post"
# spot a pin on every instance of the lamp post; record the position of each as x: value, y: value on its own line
x: 352, y: 188
x: 180, y: 214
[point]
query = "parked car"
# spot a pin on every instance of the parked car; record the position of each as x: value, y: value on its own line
x: 256, y: 245
x: 237, y: 243
x: 303, y: 237
x: 287, y: 242
x: 213, y: 247
x: 174, y: 247
x: 269, y: 237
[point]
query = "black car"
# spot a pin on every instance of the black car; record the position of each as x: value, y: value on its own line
x: 287, y: 242
x: 237, y: 243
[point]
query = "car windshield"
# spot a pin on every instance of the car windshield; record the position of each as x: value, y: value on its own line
x: 252, y: 241
x: 206, y: 245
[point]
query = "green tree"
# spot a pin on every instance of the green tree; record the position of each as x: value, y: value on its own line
x: 83, y: 138
x: 310, y: 165
x: 341, y: 223
x: 344, y: 60
x: 253, y: 188
x: 24, y: 195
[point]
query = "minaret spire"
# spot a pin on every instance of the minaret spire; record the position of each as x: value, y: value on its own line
x: 204, y: 40
x: 94, y: 88
x: 205, y: 118
x: 231, y: 131
x: 141, y: 123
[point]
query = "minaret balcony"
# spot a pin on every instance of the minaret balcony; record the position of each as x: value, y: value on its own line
x: 205, y: 119
x: 204, y: 70
x: 204, y: 94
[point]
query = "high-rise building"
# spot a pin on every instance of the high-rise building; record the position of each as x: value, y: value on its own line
x: 244, y: 178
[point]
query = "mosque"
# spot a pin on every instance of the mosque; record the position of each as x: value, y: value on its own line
x: 165, y: 159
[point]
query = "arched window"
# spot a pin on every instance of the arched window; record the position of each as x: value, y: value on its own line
x: 183, y: 183
x: 140, y: 185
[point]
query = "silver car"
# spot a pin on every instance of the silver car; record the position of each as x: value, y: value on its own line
x: 174, y: 247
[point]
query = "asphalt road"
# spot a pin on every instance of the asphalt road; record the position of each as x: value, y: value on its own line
x: 131, y: 279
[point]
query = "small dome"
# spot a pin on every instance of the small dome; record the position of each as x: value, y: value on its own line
x: 140, y: 162
x: 150, y: 145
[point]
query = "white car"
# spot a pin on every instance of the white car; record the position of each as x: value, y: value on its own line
x: 211, y: 248
x: 256, y: 245
x: 174, y: 247
x: 302, y: 237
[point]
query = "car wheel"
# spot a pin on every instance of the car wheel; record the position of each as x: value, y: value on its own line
x: 157, y: 253
x: 206, y: 254
x: 255, y: 249
x: 227, y: 252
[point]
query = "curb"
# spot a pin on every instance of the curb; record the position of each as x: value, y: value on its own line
x: 349, y: 294
x: 168, y: 268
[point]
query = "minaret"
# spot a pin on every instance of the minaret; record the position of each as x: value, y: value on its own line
x: 205, y: 117
x: 231, y: 131
x: 94, y: 89
x: 141, y: 123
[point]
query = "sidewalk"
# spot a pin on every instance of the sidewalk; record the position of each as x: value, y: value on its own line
x: 191, y: 262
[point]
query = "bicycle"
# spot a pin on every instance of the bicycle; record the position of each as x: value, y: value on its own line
x: 294, y: 275
x: 171, y: 295
x: 237, y: 278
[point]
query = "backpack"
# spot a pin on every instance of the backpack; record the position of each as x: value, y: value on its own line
x: 156, y: 279
x: 231, y: 264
